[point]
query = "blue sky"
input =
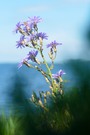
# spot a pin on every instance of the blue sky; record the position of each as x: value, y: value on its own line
x: 63, y: 20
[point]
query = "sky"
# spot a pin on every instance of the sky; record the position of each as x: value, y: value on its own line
x: 63, y: 21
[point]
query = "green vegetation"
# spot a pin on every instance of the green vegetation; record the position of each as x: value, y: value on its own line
x: 68, y: 114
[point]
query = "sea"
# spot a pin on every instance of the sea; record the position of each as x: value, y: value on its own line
x: 13, y: 81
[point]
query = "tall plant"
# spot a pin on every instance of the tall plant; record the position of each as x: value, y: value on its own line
x: 31, y: 38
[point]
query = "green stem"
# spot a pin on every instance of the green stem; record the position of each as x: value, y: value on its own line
x: 43, y: 73
x: 49, y: 70
x: 44, y: 61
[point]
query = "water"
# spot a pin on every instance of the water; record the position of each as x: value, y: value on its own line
x: 11, y: 78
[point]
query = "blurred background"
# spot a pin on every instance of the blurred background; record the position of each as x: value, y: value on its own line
x: 68, y: 22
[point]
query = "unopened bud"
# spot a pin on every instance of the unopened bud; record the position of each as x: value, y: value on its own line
x: 40, y: 102
x: 61, y: 80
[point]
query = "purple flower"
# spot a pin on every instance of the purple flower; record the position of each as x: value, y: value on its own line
x: 18, y: 26
x: 21, y: 63
x: 53, y: 44
x: 58, y: 74
x: 35, y: 20
x: 27, y: 27
x: 21, y: 42
x: 30, y: 38
x: 42, y: 35
x: 32, y: 54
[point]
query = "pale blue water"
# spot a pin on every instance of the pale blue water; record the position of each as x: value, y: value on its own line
x: 31, y: 80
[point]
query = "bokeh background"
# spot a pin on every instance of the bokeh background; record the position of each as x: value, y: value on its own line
x: 68, y: 22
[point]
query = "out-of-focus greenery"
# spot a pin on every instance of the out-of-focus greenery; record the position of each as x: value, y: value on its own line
x: 10, y: 125
x: 69, y: 114
x: 79, y: 97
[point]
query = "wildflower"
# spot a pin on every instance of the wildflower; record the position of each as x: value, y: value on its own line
x: 28, y: 27
x: 21, y: 63
x: 18, y: 26
x: 21, y: 42
x: 35, y: 20
x: 58, y: 74
x: 32, y: 54
x: 42, y: 35
x: 30, y: 38
x: 53, y: 44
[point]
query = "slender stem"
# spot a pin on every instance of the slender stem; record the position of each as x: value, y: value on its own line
x: 49, y: 70
x: 43, y: 73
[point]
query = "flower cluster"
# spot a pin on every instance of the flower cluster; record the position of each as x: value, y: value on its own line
x: 33, y: 39
x: 58, y: 74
